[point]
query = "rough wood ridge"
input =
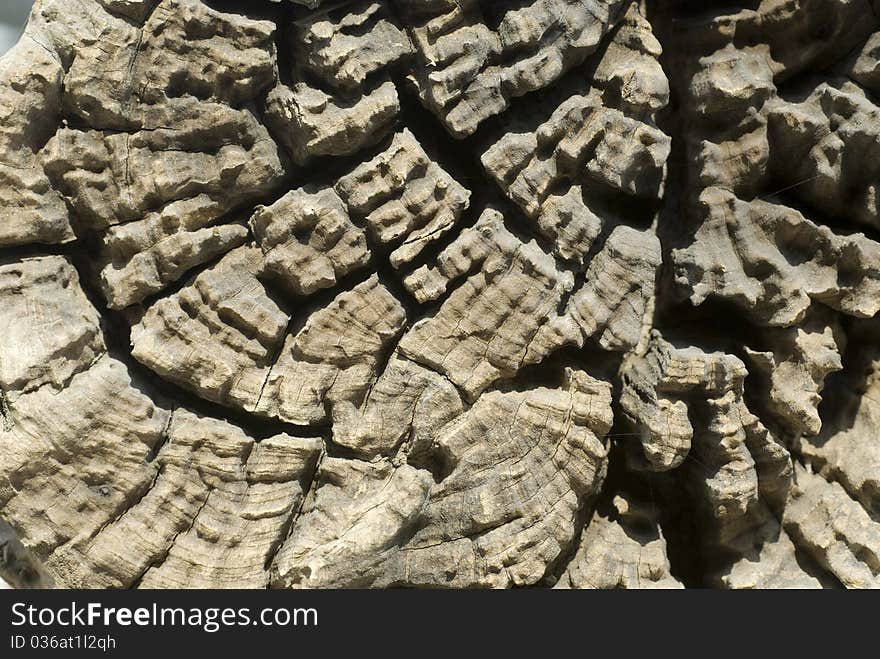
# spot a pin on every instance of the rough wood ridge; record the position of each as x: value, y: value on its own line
x: 441, y: 293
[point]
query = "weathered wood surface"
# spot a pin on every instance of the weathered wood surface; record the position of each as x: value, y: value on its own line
x: 444, y: 293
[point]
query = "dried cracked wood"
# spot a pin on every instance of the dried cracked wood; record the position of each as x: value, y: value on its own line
x: 441, y: 294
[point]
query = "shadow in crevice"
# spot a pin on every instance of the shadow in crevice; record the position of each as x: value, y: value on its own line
x: 846, y: 390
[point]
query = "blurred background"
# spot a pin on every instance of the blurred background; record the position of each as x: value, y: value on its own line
x: 13, y: 15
